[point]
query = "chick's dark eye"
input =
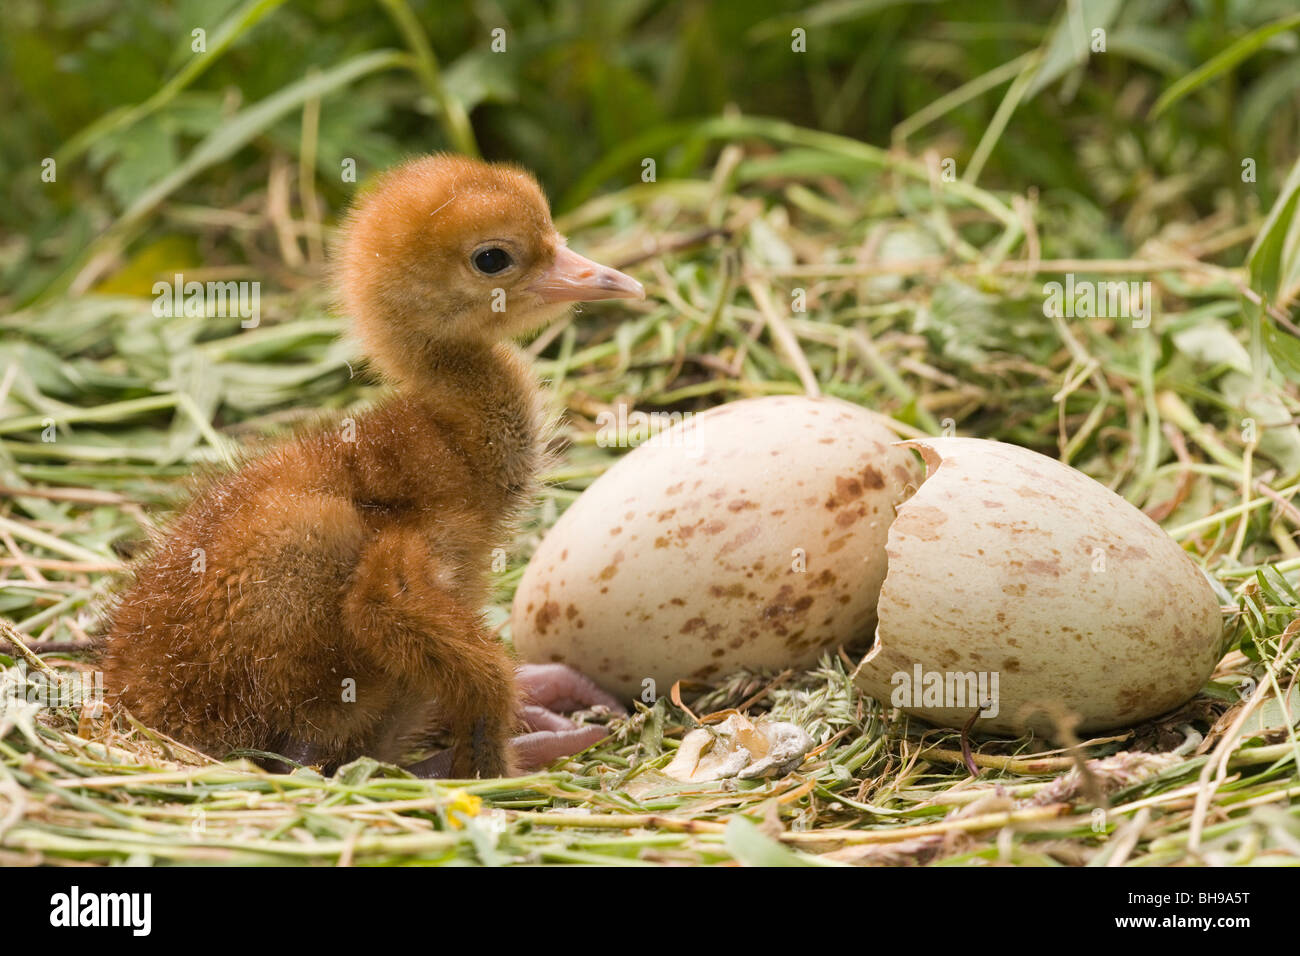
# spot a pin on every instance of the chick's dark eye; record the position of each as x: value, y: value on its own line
x: 491, y: 261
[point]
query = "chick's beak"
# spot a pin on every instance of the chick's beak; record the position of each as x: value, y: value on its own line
x: 575, y: 278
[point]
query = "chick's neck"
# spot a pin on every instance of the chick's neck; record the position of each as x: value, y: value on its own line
x: 485, y: 397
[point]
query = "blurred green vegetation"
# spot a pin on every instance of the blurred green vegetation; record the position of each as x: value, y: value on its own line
x: 585, y: 89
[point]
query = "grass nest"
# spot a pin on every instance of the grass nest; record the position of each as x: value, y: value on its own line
x: 800, y: 262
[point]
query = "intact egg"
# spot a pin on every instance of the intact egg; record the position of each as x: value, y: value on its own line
x: 1020, y: 587
x: 749, y: 536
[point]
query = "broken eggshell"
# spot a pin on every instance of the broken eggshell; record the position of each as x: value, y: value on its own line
x: 749, y: 536
x: 739, y: 747
x: 1017, y: 578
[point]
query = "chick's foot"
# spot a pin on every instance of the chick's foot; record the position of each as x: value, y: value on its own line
x: 548, y: 691
x: 559, y: 688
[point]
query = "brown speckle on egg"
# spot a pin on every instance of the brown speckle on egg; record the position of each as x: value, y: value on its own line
x: 978, y: 579
x: 729, y: 534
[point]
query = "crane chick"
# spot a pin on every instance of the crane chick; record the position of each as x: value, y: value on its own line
x: 323, y: 601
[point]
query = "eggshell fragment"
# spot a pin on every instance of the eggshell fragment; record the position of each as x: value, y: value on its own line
x: 756, y: 539
x: 1011, y: 572
x: 739, y: 747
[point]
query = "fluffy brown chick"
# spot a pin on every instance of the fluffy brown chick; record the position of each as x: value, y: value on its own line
x: 323, y: 601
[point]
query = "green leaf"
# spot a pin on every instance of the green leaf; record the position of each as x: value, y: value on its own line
x: 226, y: 140
x: 750, y: 846
x: 480, y: 78
x: 1284, y: 348
x: 229, y: 138
x: 139, y: 159
x: 823, y: 15
x: 227, y: 32
x: 1223, y: 62
x: 1274, y: 247
x: 1070, y: 43
x: 357, y: 772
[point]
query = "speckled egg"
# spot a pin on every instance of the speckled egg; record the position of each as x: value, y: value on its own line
x: 751, y: 535
x: 1023, y: 588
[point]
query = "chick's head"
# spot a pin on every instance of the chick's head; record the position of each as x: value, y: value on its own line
x: 451, y: 250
